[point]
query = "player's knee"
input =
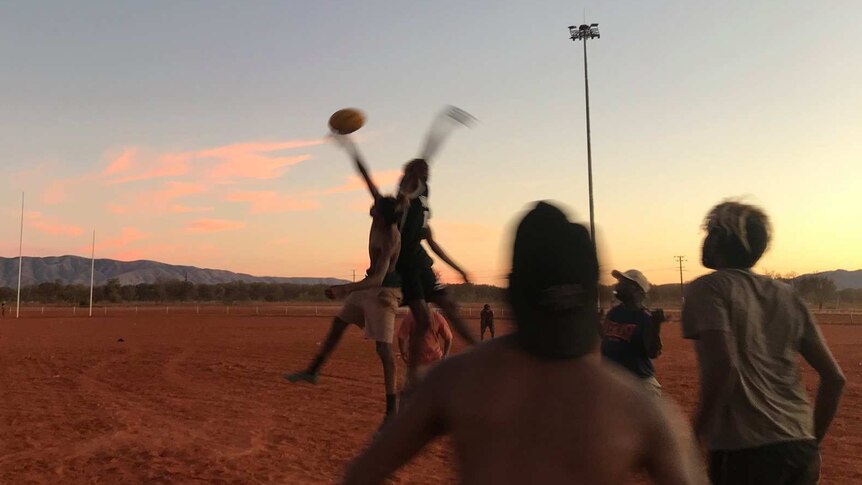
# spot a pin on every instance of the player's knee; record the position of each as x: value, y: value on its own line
x: 384, y: 350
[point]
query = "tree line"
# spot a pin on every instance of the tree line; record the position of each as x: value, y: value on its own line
x: 818, y: 291
x: 177, y: 291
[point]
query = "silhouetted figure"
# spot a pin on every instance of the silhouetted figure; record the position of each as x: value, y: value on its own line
x: 371, y: 303
x: 419, y: 283
x: 486, y: 321
x: 748, y: 329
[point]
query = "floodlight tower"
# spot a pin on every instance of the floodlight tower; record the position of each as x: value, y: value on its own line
x: 583, y: 33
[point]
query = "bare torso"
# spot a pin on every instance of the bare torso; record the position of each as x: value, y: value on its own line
x: 384, y: 244
x: 515, y: 419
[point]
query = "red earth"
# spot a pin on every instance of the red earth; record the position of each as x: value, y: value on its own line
x: 188, y: 398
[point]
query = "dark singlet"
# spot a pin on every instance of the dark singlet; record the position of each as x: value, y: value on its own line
x: 413, y: 255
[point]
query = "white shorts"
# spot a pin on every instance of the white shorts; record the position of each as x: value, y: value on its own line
x: 374, y: 311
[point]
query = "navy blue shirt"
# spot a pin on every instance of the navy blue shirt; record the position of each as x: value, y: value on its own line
x: 623, y: 339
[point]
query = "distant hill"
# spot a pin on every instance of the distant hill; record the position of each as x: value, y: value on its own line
x: 75, y: 269
x: 842, y: 278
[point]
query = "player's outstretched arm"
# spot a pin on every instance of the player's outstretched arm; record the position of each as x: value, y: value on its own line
x: 432, y: 243
x: 353, y: 151
x: 421, y: 421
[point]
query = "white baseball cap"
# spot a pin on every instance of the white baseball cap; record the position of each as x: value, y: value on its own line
x: 634, y: 276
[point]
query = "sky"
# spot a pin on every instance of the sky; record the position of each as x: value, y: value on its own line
x: 194, y: 132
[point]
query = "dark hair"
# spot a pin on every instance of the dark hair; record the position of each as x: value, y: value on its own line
x: 553, y: 286
x: 387, y: 207
x: 742, y: 232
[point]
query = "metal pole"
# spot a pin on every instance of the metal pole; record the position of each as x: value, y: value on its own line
x: 589, y: 147
x: 93, y: 272
x: 20, y: 258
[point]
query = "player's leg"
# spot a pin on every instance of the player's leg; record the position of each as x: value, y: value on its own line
x: 482, y: 332
x: 491, y: 329
x: 422, y: 317
x: 413, y: 293
x: 336, y: 330
x: 380, y: 307
x: 384, y: 351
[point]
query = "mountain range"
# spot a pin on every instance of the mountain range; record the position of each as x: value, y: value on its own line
x: 842, y: 278
x: 76, y: 270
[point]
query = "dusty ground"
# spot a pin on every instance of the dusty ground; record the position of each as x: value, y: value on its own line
x: 190, y: 398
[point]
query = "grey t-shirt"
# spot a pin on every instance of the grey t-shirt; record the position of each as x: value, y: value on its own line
x: 766, y: 322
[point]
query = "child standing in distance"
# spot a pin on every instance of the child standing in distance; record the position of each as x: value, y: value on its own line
x: 486, y: 321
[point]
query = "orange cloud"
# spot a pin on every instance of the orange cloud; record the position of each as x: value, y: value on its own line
x: 55, y: 193
x: 175, y: 190
x: 50, y: 225
x: 269, y: 201
x: 241, y: 160
x: 229, y: 151
x: 181, y: 209
x: 117, y: 209
x: 214, y: 225
x: 128, y: 235
x: 168, y: 165
x: 120, y: 164
x: 255, y: 166
x: 164, y: 199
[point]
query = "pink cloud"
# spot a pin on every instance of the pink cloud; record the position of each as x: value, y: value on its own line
x: 168, y: 165
x: 269, y: 201
x: 121, y: 163
x: 105, y: 247
x: 255, y: 166
x: 55, y: 193
x: 51, y: 226
x: 181, y: 209
x: 164, y: 199
x: 255, y: 160
x: 214, y: 225
x: 229, y: 151
x: 176, y: 190
x: 117, y: 209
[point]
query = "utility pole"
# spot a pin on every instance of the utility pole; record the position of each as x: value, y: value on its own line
x: 680, y: 260
x: 354, y: 276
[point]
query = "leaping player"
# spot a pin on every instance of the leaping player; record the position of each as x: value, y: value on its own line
x: 371, y: 304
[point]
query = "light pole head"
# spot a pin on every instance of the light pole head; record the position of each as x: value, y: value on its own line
x: 584, y: 32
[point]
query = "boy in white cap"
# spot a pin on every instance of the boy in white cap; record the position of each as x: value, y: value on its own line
x: 630, y: 332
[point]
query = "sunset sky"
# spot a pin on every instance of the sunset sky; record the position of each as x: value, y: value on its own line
x: 192, y: 132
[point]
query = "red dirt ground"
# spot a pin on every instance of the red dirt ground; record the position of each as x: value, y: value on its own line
x: 199, y: 399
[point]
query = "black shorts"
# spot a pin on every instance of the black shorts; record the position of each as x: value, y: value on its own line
x: 488, y: 325
x: 420, y: 285
x: 788, y: 463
